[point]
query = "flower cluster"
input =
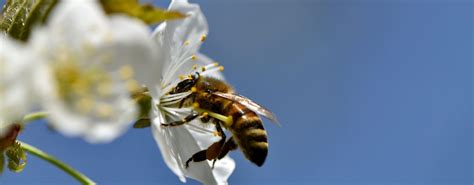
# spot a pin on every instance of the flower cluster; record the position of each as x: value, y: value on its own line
x: 83, y: 66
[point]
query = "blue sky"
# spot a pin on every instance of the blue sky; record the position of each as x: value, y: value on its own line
x: 368, y: 92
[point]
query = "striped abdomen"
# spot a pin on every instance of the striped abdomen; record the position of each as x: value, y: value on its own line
x: 248, y: 132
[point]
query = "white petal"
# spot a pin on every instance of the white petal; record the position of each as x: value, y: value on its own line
x: 223, y: 169
x: 163, y: 45
x: 203, y: 139
x: 131, y: 43
x: 162, y: 141
x: 178, y: 144
x: 171, y: 36
x: 74, y: 22
x: 192, y: 27
x: 15, y: 82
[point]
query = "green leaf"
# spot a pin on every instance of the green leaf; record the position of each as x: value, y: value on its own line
x: 19, y: 16
x: 145, y: 12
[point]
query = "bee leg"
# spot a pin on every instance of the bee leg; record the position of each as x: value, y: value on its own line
x: 189, y: 118
x: 197, y: 157
x: 219, y: 145
x: 228, y: 146
x: 212, y: 152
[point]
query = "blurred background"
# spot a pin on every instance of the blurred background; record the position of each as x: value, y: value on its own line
x: 368, y: 92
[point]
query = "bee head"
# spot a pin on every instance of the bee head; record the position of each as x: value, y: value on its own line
x: 186, y: 84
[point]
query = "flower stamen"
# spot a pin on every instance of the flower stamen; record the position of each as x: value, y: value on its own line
x: 126, y: 72
x: 203, y: 38
x: 104, y: 110
x: 173, y: 68
x: 228, y: 120
x: 186, y: 43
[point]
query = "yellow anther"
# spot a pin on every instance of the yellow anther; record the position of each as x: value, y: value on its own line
x: 216, y: 133
x: 195, y: 105
x: 221, y: 68
x: 194, y: 57
x: 132, y: 85
x: 104, y: 110
x: 193, y: 89
x: 104, y: 89
x: 216, y: 64
x: 203, y: 69
x: 204, y: 114
x: 195, y: 66
x: 126, y: 72
x: 186, y: 43
x: 203, y: 38
x: 181, y: 77
x: 84, y: 105
x: 79, y: 86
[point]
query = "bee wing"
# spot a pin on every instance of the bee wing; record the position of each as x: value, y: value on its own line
x: 249, y: 104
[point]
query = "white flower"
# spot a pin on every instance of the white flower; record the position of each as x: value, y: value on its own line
x: 15, y: 83
x: 89, y: 67
x: 179, y: 43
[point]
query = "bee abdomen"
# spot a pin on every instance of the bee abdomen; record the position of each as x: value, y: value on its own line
x: 252, y: 138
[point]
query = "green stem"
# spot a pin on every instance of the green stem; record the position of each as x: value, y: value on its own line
x: 66, y: 168
x: 34, y: 116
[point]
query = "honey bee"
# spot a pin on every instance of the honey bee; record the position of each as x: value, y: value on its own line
x: 213, y: 100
